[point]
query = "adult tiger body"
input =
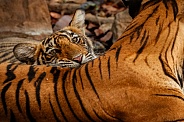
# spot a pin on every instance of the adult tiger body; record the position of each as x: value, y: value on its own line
x: 139, y: 79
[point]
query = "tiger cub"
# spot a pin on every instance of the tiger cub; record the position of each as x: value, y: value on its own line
x: 68, y: 47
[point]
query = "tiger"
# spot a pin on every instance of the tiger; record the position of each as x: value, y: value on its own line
x: 139, y: 79
x: 6, y: 48
x: 68, y: 47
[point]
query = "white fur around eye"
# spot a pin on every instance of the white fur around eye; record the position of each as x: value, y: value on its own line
x: 75, y: 40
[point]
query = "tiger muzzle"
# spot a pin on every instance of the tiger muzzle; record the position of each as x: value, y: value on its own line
x: 78, y: 58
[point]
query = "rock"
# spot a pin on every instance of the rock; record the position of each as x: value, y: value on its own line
x: 25, y: 16
x: 107, y: 37
x: 55, y: 15
x: 62, y: 22
x: 121, y: 21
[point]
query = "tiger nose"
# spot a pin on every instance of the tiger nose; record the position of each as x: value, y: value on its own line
x: 78, y: 58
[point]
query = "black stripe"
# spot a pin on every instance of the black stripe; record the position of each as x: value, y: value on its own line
x: 54, y: 113
x: 131, y: 38
x: 18, y: 93
x: 143, y: 46
x: 100, y: 68
x: 150, y: 3
x: 180, y: 78
x: 170, y: 95
x: 38, y: 84
x: 159, y: 33
x: 142, y: 39
x: 74, y: 80
x: 175, y: 8
x: 136, y: 27
x: 90, y: 81
x: 7, y: 59
x: 28, y: 112
x: 117, y: 53
x: 47, y: 48
x: 68, y: 36
x: 132, y: 26
x: 40, y: 59
x: 10, y: 73
x: 4, y: 50
x: 121, y: 38
x: 5, y: 54
x: 45, y: 41
x: 130, y: 31
x: 56, y: 73
x: 109, y: 67
x: 172, y: 50
x: 65, y: 94
x: 31, y: 73
x: 57, y: 100
x: 167, y: 70
x: 120, y: 120
x: 165, y: 3
x: 12, y: 116
x: 138, y: 30
x: 55, y: 42
x: 92, y: 63
x: 99, y: 116
x: 178, y: 120
x: 81, y: 79
x: 174, y: 40
x: 4, y: 90
x: 157, y: 21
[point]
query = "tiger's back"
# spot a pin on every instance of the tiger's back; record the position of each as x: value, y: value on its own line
x: 6, y: 48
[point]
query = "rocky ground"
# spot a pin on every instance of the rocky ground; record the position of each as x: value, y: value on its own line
x: 105, y: 19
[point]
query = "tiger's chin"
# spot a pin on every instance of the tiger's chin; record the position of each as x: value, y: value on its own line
x: 65, y: 64
x: 75, y: 62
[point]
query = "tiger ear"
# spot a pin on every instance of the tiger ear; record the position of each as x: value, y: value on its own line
x: 78, y: 19
x: 25, y: 52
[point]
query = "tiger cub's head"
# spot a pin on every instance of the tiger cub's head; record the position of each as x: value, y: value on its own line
x: 68, y: 47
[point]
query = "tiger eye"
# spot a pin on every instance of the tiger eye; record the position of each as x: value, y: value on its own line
x: 50, y: 44
x: 53, y: 52
x: 75, y: 40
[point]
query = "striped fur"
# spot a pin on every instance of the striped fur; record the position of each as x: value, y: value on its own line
x: 139, y: 79
x: 7, y: 45
x: 68, y: 47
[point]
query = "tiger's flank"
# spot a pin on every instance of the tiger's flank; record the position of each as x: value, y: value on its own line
x: 140, y: 79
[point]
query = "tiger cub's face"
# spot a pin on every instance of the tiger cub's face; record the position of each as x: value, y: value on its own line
x: 68, y: 47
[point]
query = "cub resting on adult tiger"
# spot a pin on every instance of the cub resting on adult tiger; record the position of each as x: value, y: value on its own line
x: 68, y: 47
x: 139, y: 79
